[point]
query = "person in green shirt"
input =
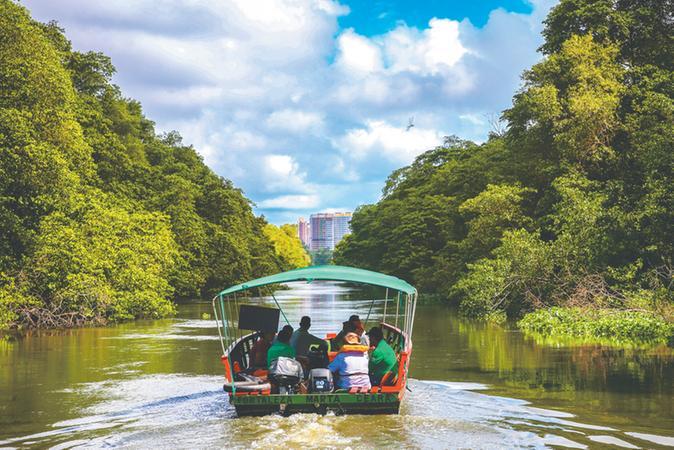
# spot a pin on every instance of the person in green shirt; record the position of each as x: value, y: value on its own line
x: 281, y: 347
x: 383, y: 359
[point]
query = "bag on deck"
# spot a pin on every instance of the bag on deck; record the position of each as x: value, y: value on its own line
x: 285, y: 371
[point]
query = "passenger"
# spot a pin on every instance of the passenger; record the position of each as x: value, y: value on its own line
x: 383, y: 359
x: 338, y: 341
x: 281, y: 347
x: 360, y: 329
x: 301, y: 339
x: 350, y: 364
x: 258, y: 354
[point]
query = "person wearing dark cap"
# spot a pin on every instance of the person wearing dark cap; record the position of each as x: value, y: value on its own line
x: 301, y: 339
x: 383, y: 359
x: 360, y: 329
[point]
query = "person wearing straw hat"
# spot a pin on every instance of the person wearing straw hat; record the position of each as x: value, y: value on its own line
x: 350, y: 365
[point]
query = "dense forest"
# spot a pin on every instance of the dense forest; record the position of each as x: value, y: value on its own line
x: 101, y: 218
x: 568, y: 204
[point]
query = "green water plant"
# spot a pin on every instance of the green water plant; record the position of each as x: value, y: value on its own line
x: 599, y: 325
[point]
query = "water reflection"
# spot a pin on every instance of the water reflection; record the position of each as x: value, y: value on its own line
x: 474, y: 386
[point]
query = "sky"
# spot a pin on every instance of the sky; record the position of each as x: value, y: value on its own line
x: 306, y: 104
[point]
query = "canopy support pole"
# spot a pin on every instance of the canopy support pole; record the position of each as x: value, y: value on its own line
x: 225, y: 328
x: 230, y: 322
x: 368, y: 313
x: 408, y: 312
x: 237, y: 330
x: 217, y: 324
x: 385, y: 304
x: 397, y: 308
x: 280, y: 309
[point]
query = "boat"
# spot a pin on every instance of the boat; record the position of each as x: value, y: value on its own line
x: 240, y: 325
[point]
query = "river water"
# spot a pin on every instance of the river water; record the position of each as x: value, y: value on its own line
x: 152, y: 383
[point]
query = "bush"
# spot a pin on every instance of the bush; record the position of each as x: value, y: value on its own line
x: 603, y: 325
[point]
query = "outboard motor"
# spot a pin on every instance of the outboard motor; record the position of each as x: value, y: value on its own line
x: 286, y: 373
x: 318, y: 356
x: 320, y: 380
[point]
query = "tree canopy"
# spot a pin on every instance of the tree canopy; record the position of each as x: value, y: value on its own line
x: 287, y: 245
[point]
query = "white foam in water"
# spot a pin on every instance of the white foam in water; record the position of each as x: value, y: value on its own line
x: 196, y: 323
x: 560, y: 441
x: 471, y: 406
x: 192, y: 411
x: 549, y: 412
x: 586, y: 426
x: 612, y: 441
x: 462, y: 386
x: 655, y: 438
x: 169, y: 336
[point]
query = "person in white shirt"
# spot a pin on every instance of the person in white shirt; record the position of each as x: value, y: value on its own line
x: 351, y: 364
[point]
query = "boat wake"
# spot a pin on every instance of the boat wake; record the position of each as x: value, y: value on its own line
x: 192, y: 411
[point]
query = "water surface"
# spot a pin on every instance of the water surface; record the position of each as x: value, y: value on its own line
x: 473, y: 386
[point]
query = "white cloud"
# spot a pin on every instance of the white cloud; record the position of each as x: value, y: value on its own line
x: 357, y: 54
x: 280, y: 173
x: 294, y: 120
x: 295, y: 202
x: 473, y: 118
x: 397, y: 144
x: 430, y: 51
x: 404, y: 49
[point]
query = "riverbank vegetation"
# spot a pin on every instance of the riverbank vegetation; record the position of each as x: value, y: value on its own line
x: 321, y: 257
x: 604, y: 325
x: 287, y: 245
x: 568, y: 204
x: 101, y: 218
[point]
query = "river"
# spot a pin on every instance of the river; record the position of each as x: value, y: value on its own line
x: 151, y: 383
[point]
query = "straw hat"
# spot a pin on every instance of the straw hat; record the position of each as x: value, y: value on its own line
x: 352, y: 338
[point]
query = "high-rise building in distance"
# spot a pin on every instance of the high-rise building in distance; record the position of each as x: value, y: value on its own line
x: 303, y: 230
x: 341, y: 226
x: 327, y: 229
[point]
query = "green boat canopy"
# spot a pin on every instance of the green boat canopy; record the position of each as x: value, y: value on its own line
x: 327, y: 273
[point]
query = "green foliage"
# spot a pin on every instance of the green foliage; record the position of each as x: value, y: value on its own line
x: 287, y: 245
x: 493, y: 211
x: 572, y: 205
x: 113, y: 260
x: 516, y: 278
x: 603, y: 325
x: 100, y: 218
x: 569, y: 101
x: 641, y: 28
x: 321, y: 257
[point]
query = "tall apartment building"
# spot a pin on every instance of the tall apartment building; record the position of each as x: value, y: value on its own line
x: 327, y: 229
x: 304, y: 232
x: 341, y: 226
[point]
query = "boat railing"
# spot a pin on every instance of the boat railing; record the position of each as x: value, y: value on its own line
x: 237, y: 356
x: 396, y: 338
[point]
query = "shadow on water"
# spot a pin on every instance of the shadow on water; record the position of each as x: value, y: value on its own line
x: 474, y: 386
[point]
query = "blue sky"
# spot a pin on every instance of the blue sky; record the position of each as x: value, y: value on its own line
x: 373, y: 17
x: 304, y: 104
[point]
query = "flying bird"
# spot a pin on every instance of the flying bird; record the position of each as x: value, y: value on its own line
x: 410, y: 124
